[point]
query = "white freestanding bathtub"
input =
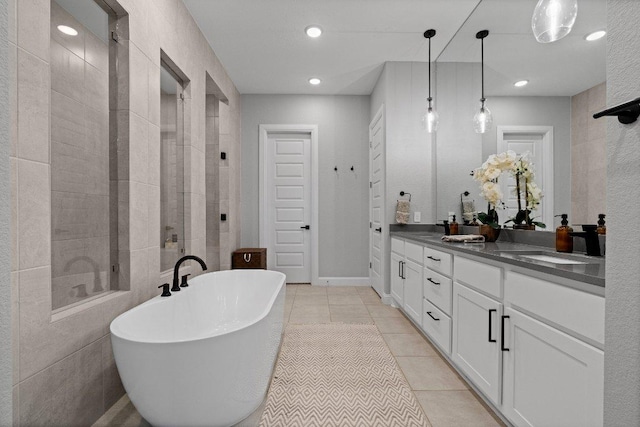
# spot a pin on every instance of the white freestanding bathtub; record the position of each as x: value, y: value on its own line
x: 204, y: 355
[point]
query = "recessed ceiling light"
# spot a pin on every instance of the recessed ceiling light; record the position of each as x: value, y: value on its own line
x: 521, y: 83
x: 313, y: 31
x: 595, y: 35
x: 67, y: 30
x: 314, y: 81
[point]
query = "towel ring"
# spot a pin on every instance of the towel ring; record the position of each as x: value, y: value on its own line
x: 402, y: 193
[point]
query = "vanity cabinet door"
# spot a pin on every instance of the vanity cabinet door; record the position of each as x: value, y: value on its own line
x: 397, y: 278
x: 550, y: 378
x: 476, y: 346
x: 413, y: 290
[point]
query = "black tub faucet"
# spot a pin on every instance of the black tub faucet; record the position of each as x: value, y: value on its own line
x: 590, y: 236
x: 176, y: 286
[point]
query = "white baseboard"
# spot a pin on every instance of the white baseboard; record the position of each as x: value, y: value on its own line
x: 388, y: 300
x: 343, y: 281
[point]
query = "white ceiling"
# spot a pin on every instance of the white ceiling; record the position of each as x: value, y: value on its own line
x: 263, y: 47
x: 511, y: 53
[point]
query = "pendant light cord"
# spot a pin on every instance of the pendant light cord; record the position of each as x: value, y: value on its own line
x: 429, y: 70
x: 482, y: 65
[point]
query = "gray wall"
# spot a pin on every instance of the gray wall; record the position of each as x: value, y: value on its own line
x: 409, y: 150
x: 5, y: 219
x: 343, y: 123
x: 588, y: 155
x: 622, y: 330
x: 538, y: 111
x: 459, y: 147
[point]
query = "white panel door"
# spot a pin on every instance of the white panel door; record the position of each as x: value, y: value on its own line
x: 476, y: 344
x: 289, y: 205
x: 376, y: 202
x: 536, y: 142
x: 550, y: 378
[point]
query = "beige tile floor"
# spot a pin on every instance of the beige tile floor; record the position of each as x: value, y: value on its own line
x: 445, y: 398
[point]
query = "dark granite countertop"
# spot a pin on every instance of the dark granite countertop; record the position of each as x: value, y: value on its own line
x: 592, y: 272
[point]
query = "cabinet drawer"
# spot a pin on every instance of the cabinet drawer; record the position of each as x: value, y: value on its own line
x: 439, y: 330
x: 437, y: 261
x: 397, y: 246
x: 437, y: 289
x: 570, y: 308
x: 413, y: 252
x: 487, y: 278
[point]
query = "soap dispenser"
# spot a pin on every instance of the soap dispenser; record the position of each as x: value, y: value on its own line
x: 453, y: 227
x: 564, y: 240
x: 602, y: 229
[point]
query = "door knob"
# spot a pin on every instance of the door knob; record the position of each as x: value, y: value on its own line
x: 306, y: 227
x: 379, y: 229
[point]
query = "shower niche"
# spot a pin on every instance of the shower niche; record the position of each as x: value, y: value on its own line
x: 85, y: 59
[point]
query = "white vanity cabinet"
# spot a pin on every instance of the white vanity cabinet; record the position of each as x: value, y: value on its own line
x: 406, y: 277
x: 530, y: 343
x: 477, y: 311
x: 552, y: 376
x: 413, y: 290
x: 437, y: 288
x: 397, y: 280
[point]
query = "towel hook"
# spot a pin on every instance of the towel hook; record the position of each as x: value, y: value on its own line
x: 402, y: 193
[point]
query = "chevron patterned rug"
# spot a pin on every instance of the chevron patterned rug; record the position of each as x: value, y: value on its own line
x: 338, y: 375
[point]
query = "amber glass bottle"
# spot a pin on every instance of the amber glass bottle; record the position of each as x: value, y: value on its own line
x: 602, y: 229
x: 453, y: 227
x: 564, y: 240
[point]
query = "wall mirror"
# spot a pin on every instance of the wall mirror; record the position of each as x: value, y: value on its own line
x: 566, y: 84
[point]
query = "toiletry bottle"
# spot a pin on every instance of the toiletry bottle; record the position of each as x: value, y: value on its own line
x: 564, y: 240
x: 453, y: 227
x: 475, y: 221
x: 602, y: 229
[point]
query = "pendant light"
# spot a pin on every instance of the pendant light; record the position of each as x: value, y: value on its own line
x: 553, y: 19
x: 483, y: 120
x: 430, y: 117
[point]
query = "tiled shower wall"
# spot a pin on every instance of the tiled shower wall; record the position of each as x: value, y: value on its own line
x: 588, y: 156
x: 64, y: 372
x: 212, y: 166
x: 169, y: 223
x: 80, y: 246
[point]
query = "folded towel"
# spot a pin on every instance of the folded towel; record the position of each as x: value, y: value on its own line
x: 464, y: 238
x: 403, y: 209
x: 402, y: 217
x: 403, y: 206
x: 468, y: 210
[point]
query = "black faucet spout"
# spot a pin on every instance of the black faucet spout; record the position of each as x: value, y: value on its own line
x: 176, y: 286
x: 590, y: 235
x: 445, y: 224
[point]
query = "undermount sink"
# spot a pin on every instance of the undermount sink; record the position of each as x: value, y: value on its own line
x: 550, y: 257
x: 553, y: 259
